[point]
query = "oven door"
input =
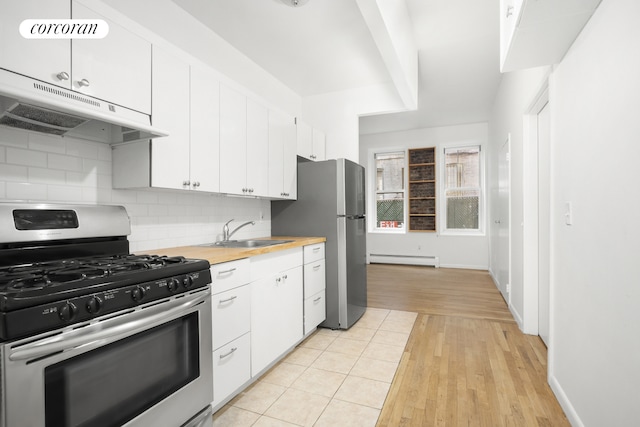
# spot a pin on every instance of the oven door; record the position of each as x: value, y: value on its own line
x: 145, y: 367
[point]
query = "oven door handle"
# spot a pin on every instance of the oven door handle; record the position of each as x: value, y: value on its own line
x: 97, y: 333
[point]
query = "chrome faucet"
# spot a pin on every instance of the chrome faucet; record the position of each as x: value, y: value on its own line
x: 225, y: 230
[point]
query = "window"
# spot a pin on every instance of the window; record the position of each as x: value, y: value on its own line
x: 463, y: 189
x: 389, y: 190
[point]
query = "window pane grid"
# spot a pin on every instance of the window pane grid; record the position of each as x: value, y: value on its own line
x: 390, y: 195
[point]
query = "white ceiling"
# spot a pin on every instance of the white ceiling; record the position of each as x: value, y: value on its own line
x: 325, y: 46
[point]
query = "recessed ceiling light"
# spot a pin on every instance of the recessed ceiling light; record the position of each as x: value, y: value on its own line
x: 295, y: 3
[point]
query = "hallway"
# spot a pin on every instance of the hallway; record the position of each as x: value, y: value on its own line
x: 466, y: 361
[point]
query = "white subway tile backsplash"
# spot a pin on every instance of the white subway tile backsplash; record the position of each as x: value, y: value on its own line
x: 64, y: 193
x: 45, y: 176
x: 38, y: 167
x: 80, y: 148
x: 64, y: 162
x: 14, y: 137
x: 47, y: 143
x: 13, y: 173
x: 20, y: 156
x: 26, y: 191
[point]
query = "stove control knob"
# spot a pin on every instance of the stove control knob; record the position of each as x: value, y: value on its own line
x: 67, y: 311
x: 138, y: 293
x: 94, y: 305
x: 173, y: 284
x: 188, y: 281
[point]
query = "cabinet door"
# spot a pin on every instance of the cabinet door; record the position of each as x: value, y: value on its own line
x: 304, y: 135
x: 276, y: 317
x: 276, y: 154
x: 117, y: 68
x: 257, y: 149
x: 290, y: 161
x: 233, y: 141
x: 314, y: 311
x: 231, y: 315
x: 42, y: 59
x: 205, y: 130
x: 170, y: 154
x: 231, y: 368
x: 319, y: 144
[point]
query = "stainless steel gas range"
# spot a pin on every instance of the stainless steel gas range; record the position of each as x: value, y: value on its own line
x: 93, y: 336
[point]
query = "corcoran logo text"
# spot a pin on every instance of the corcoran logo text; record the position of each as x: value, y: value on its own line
x: 64, y: 28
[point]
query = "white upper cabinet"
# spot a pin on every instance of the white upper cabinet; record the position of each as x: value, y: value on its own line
x: 170, y: 155
x: 257, y: 149
x: 116, y: 69
x: 539, y: 32
x: 233, y: 141
x: 282, y: 156
x: 311, y: 141
x: 186, y: 103
x: 42, y: 59
x: 244, y: 145
x: 205, y: 130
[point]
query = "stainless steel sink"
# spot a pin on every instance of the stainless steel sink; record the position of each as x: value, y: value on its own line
x: 246, y: 243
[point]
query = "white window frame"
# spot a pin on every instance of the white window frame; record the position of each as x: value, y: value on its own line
x: 441, y: 198
x: 372, y: 184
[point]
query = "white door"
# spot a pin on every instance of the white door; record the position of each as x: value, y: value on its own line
x: 257, y: 149
x: 233, y: 141
x: 503, y: 221
x: 544, y: 228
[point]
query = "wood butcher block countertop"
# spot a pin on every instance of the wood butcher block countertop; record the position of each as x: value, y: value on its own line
x: 217, y: 255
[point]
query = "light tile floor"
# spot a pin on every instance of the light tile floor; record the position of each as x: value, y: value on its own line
x: 332, y: 378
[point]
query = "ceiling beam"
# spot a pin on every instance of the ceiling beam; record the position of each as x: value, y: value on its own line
x: 392, y: 31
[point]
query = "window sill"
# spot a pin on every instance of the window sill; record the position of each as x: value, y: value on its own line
x: 465, y: 233
x: 388, y: 231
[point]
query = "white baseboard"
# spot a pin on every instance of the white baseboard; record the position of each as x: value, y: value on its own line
x: 567, y: 407
x: 432, y: 261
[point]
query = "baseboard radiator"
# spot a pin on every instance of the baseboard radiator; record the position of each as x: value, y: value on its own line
x: 427, y: 260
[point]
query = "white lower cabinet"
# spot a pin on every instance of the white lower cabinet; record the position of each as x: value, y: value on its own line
x: 276, y: 306
x: 314, y: 287
x: 231, y: 319
x: 231, y: 371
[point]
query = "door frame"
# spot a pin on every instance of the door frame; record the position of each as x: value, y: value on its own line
x: 531, y: 211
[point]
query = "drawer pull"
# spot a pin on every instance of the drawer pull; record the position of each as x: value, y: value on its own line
x: 231, y: 270
x: 222, y: 301
x: 317, y: 299
x: 315, y: 267
x: 229, y: 353
x: 316, y: 249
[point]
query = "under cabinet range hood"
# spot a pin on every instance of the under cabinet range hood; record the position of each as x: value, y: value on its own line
x: 30, y: 104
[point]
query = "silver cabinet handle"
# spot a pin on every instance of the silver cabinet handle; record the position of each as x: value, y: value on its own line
x: 196, y: 184
x: 229, y: 353
x: 63, y: 75
x: 317, y: 299
x: 83, y: 83
x: 278, y: 279
x: 186, y: 183
x: 509, y: 11
x: 222, y: 301
x: 316, y: 249
x: 231, y: 270
x: 315, y: 267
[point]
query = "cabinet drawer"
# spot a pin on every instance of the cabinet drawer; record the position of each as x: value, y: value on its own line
x: 313, y: 252
x: 275, y: 262
x: 314, y: 277
x: 229, y: 275
x: 231, y: 315
x: 231, y: 367
x: 314, y: 311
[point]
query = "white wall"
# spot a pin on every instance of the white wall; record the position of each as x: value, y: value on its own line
x: 595, y: 331
x: 595, y: 296
x: 516, y: 94
x: 38, y: 168
x: 453, y: 251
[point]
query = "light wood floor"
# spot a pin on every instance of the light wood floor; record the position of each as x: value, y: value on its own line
x: 466, y: 362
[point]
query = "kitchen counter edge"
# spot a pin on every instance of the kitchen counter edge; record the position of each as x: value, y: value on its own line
x: 219, y: 255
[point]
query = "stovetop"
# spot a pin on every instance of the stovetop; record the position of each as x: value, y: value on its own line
x: 37, y: 283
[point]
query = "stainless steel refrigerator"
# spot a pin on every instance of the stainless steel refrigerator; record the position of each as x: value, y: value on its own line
x: 331, y: 204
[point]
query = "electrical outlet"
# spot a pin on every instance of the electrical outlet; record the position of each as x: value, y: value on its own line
x: 508, y: 288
